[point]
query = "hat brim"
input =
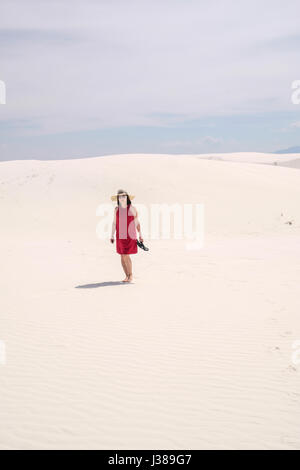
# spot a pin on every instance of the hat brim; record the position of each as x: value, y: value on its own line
x: 114, y: 198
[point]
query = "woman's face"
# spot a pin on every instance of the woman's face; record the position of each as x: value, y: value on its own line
x: 123, y: 199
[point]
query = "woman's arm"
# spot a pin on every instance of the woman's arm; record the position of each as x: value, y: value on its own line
x: 137, y: 224
x: 113, y: 227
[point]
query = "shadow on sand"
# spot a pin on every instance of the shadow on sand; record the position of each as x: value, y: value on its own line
x: 103, y: 284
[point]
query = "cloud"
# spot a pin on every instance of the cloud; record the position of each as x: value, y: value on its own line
x: 206, y: 140
x: 10, y: 38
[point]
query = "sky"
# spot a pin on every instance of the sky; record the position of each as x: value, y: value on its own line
x: 99, y: 77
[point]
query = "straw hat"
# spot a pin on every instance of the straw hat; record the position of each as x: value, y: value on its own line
x: 114, y: 197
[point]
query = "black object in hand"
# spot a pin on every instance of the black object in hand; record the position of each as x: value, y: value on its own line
x: 141, y: 245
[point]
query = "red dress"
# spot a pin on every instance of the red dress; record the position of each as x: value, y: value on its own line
x: 125, y: 232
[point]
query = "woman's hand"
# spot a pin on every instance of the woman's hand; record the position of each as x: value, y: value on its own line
x: 141, y: 239
x: 112, y: 240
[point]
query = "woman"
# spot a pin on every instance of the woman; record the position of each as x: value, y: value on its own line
x: 125, y: 224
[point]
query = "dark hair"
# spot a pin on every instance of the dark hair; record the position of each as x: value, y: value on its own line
x: 128, y: 198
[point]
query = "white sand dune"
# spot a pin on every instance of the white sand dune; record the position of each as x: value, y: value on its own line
x: 196, y: 354
x: 291, y: 160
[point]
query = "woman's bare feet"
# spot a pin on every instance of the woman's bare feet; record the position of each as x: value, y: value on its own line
x: 126, y: 279
x: 130, y: 278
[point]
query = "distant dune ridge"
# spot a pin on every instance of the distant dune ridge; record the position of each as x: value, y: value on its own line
x: 291, y: 160
x: 197, y: 353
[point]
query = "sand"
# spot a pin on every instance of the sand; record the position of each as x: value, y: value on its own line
x: 291, y: 160
x: 195, y: 354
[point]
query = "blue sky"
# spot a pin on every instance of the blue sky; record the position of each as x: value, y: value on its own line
x: 89, y: 78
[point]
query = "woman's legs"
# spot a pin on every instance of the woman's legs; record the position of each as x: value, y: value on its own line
x: 124, y: 266
x: 127, y: 266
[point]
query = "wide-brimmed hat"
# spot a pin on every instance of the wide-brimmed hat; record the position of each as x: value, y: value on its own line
x: 114, y: 197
